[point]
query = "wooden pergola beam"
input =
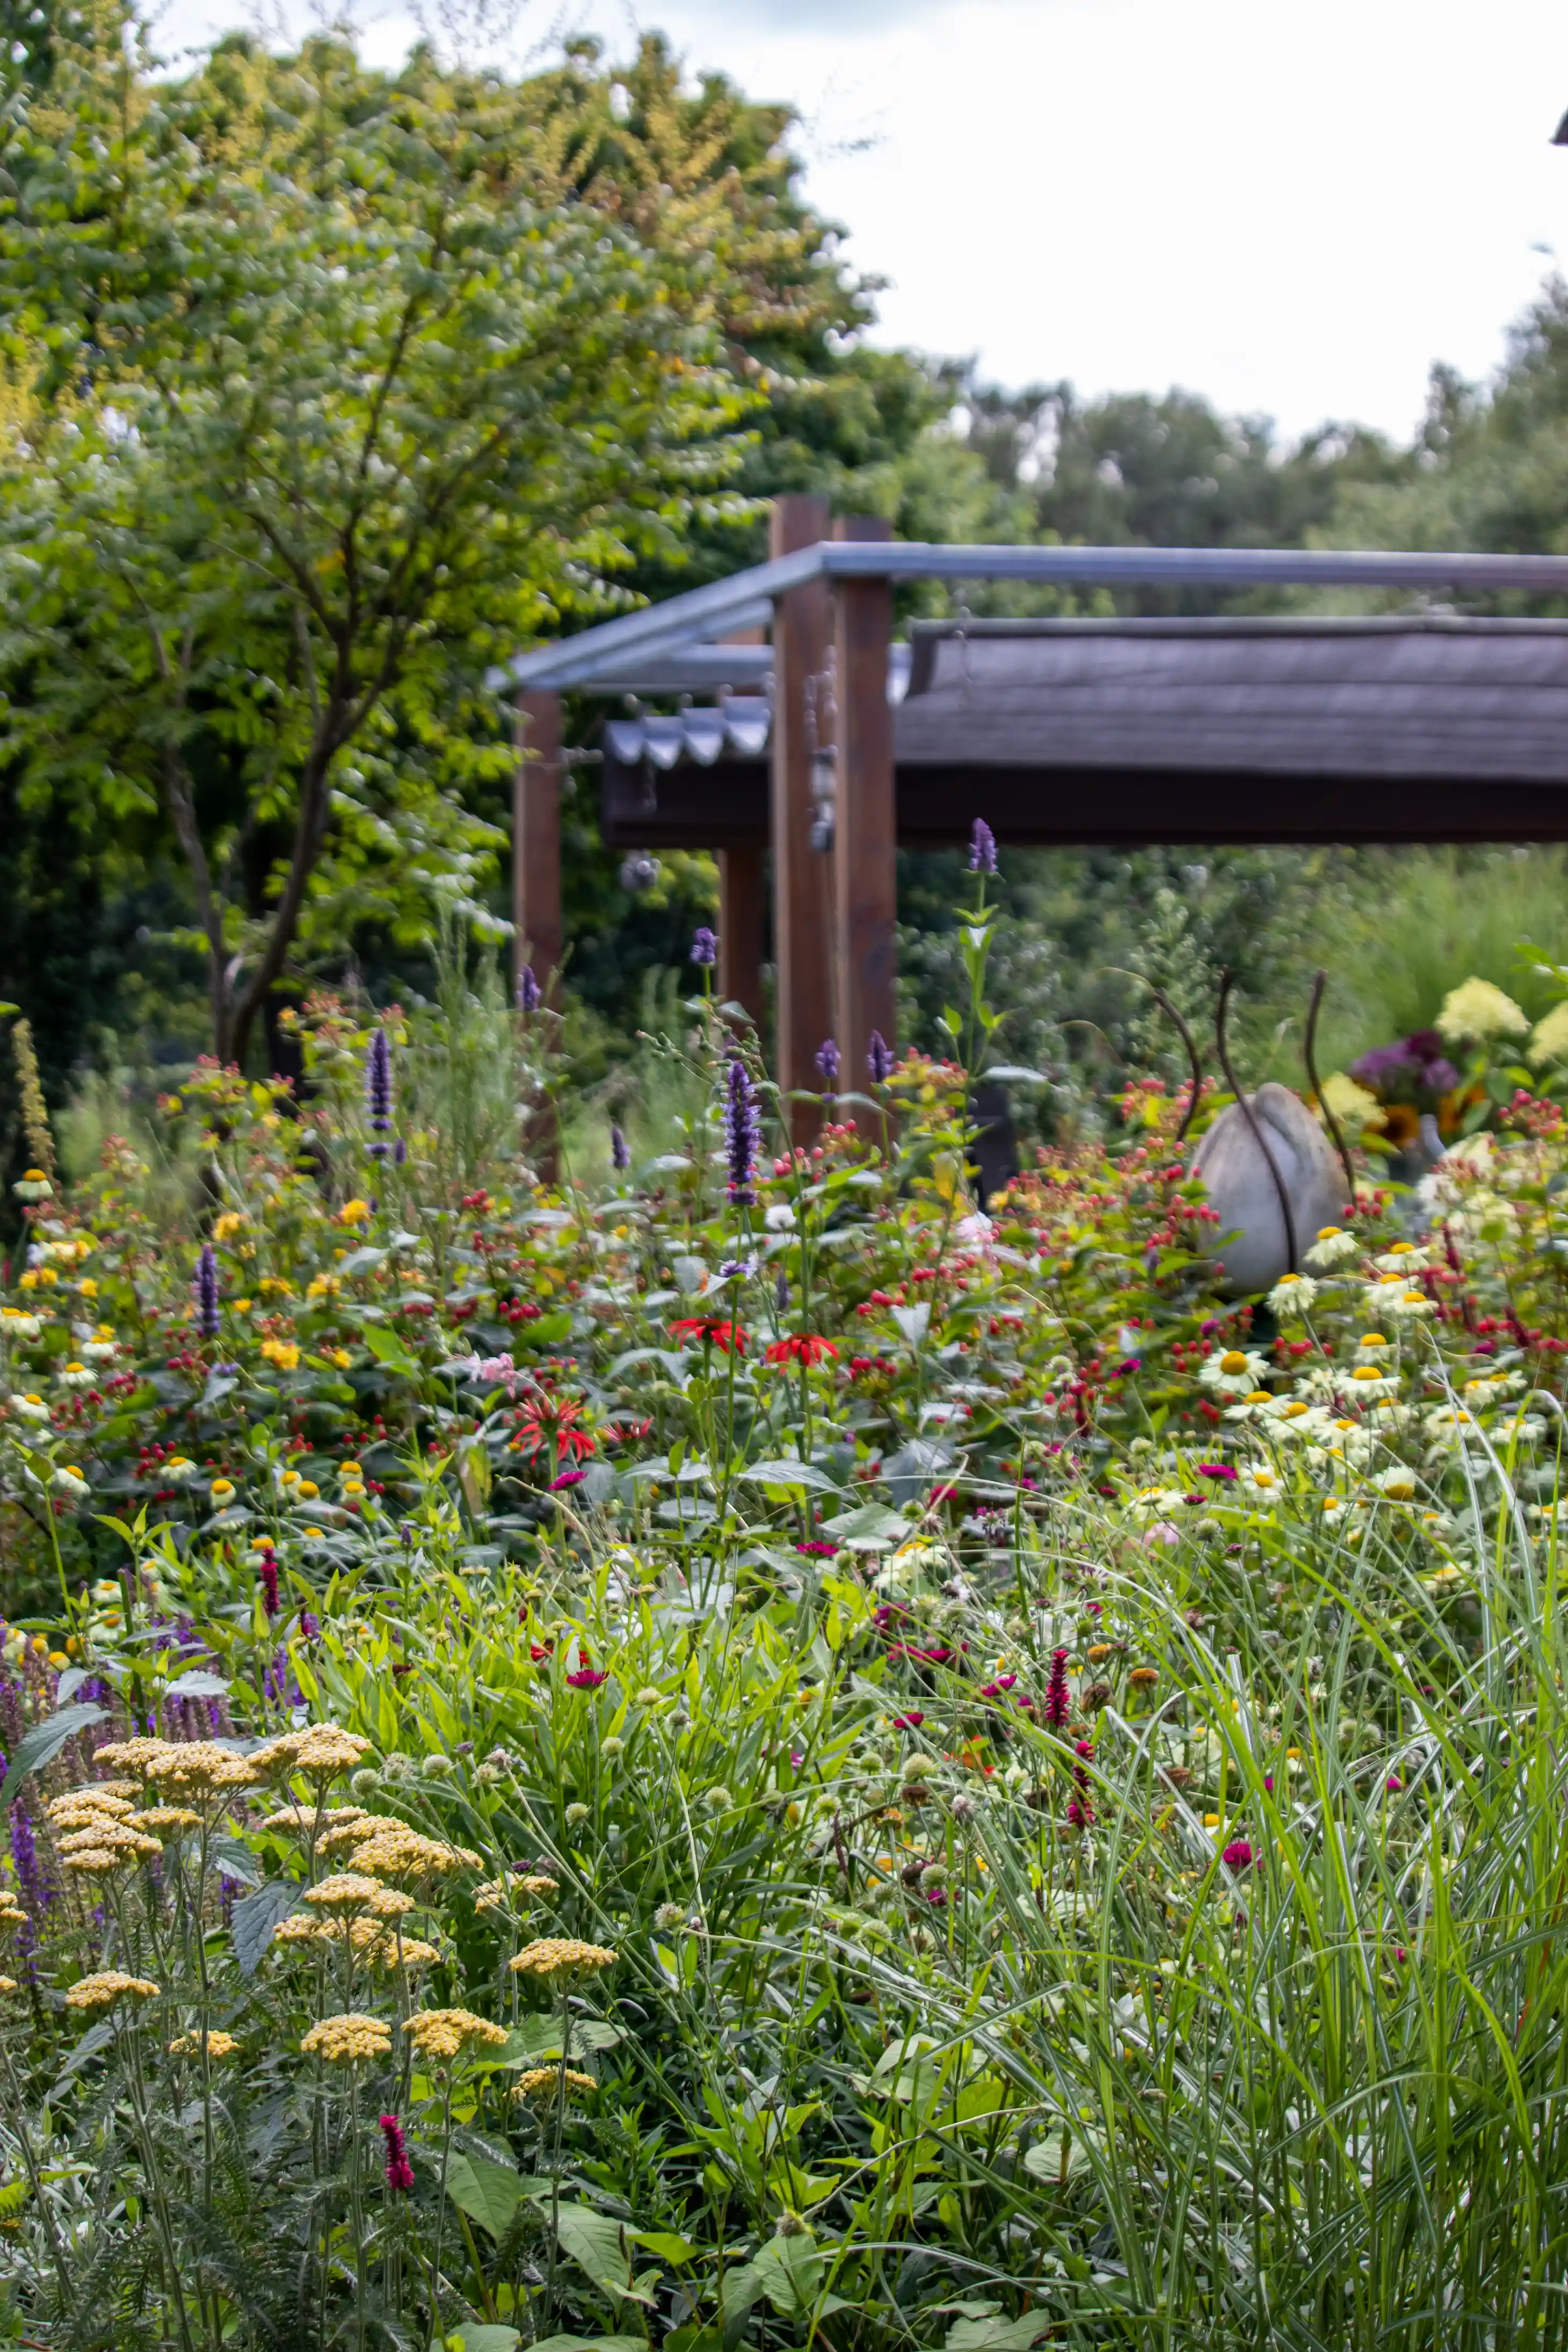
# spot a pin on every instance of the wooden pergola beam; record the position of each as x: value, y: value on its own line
x: 802, y: 928
x: 865, y: 847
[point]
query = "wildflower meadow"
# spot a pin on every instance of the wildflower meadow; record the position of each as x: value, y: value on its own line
x: 768, y: 1752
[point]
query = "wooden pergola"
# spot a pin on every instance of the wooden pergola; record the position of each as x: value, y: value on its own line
x: 830, y: 746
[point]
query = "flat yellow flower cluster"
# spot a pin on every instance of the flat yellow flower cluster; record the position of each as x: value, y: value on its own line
x: 191, y: 2045
x: 101, y: 1991
x: 540, y: 2083
x: 343, y: 2040
x: 555, y: 1959
x: 443, y: 2032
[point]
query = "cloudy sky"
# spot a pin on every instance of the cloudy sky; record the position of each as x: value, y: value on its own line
x: 1292, y: 206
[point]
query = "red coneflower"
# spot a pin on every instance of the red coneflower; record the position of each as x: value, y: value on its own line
x: 802, y: 1348
x: 399, y: 2171
x: 712, y: 1332
x: 554, y: 1421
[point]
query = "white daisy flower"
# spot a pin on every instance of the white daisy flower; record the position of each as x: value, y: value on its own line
x: 1237, y: 1372
x: 1292, y: 1295
x: 1398, y: 1483
x: 1332, y: 1246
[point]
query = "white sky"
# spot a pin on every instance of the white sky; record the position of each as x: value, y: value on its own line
x: 1291, y: 205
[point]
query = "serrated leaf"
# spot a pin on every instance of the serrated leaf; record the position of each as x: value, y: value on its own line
x: 235, y: 1861
x: 43, y: 1744
x: 488, y: 2193
x: 255, y: 1915
x: 198, y: 1683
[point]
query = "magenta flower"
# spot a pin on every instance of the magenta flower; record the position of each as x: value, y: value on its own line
x: 586, y: 1678
x: 267, y: 1570
x: 1059, y: 1704
x: 1217, y: 1470
x: 1394, y: 1784
x: 567, y: 1478
x: 910, y: 1722
x: 399, y: 2171
x: 1237, y: 1855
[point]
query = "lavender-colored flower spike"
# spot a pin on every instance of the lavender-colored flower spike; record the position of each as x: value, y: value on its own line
x: 827, y: 1062
x: 399, y: 1152
x: 981, y: 848
x: 620, y: 1152
x: 742, y: 1134
x: 206, y: 1291
x: 378, y: 1092
x: 704, y: 946
x: 879, y: 1058
x: 530, y: 996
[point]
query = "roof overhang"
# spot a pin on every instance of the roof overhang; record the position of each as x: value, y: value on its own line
x: 632, y: 649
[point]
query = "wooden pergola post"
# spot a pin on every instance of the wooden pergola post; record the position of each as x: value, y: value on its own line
x: 802, y: 925
x: 741, y: 929
x: 536, y: 868
x: 865, y: 897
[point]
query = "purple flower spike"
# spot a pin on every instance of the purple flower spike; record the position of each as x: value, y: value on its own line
x: 530, y: 996
x: 378, y: 1092
x: 879, y: 1058
x: 742, y: 1134
x: 704, y: 946
x: 206, y: 1291
x: 981, y: 848
x: 827, y: 1062
x: 620, y: 1152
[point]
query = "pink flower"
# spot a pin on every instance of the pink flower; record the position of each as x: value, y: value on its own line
x: 1217, y: 1470
x: 995, y: 1690
x: 910, y: 1722
x: 399, y: 2171
x: 1058, y: 1703
x: 567, y: 1478
x: 1237, y: 1855
x: 1394, y: 1784
x: 586, y: 1678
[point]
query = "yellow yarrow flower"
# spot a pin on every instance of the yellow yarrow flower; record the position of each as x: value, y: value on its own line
x: 552, y: 1960
x: 347, y: 2038
x: 109, y: 1985
x: 443, y: 2032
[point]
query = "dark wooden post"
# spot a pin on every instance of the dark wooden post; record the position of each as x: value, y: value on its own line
x: 741, y: 929
x: 802, y: 923
x: 536, y: 838
x: 866, y: 814
x: 536, y: 870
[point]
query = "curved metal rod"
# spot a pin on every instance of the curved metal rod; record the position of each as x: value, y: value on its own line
x: 1226, y: 982
x: 1166, y: 1005
x: 1309, y: 1055
x: 1190, y: 1041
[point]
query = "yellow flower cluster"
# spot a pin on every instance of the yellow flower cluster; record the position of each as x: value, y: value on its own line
x: 399, y: 1852
x: 532, y: 1883
x: 320, y: 1752
x: 300, y: 1820
x: 343, y: 2040
x: 199, y: 1767
x: 443, y: 2032
x: 540, y: 2083
x: 101, y: 1991
x: 191, y: 2045
x: 346, y: 1892
x: 554, y: 1960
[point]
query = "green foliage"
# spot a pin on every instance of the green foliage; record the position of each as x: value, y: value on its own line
x: 334, y: 406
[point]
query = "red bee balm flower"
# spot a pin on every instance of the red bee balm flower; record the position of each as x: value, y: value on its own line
x: 803, y: 1348
x: 725, y: 1335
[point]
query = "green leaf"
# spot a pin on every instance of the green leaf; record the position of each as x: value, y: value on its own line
x: 255, y: 1915
x: 999, y: 2334
x: 488, y: 2337
x: 591, y: 2344
x: 43, y: 1744
x: 666, y: 2244
x: 488, y: 2193
x: 870, y: 1528
x: 597, y: 2245
x: 790, y: 1473
x: 388, y: 1350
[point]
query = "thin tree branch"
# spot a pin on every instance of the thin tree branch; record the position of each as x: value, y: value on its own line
x: 1309, y: 1055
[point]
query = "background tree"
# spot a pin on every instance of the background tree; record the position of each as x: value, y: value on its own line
x: 336, y: 402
